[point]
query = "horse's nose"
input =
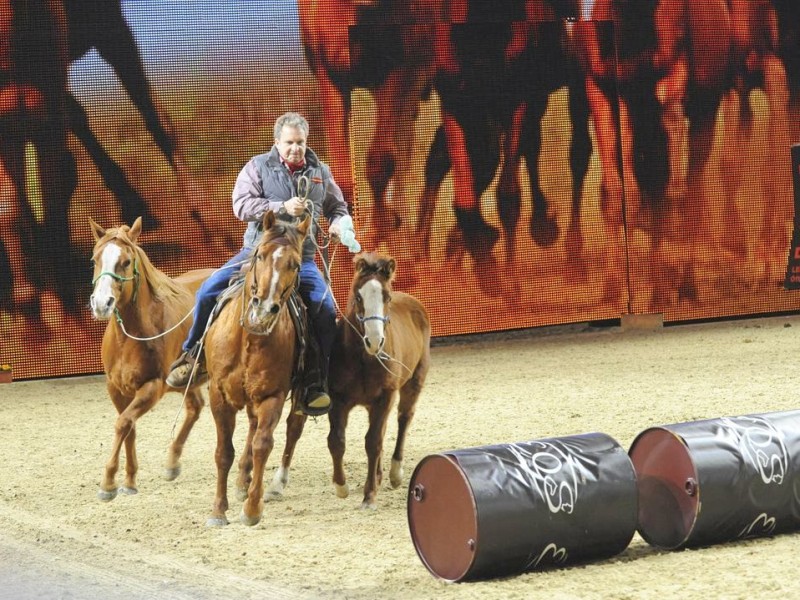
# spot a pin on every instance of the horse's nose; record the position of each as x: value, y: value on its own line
x: 97, y: 305
x: 274, y: 309
x: 368, y: 343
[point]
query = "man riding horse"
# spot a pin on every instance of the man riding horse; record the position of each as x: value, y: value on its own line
x: 273, y: 181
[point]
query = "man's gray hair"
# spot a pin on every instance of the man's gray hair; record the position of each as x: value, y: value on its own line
x: 290, y: 119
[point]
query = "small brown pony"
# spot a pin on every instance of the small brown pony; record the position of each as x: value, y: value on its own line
x: 250, y: 353
x: 150, y: 322
x: 382, y: 346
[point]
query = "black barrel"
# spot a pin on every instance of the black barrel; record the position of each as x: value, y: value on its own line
x: 507, y: 509
x: 718, y: 480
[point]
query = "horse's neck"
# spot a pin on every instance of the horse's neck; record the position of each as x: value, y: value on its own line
x: 138, y: 311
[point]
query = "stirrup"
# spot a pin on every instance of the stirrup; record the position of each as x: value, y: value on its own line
x: 181, y: 371
x: 315, y: 404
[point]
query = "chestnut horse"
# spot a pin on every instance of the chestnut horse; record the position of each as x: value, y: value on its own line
x: 149, y: 323
x: 382, y: 346
x: 250, y: 354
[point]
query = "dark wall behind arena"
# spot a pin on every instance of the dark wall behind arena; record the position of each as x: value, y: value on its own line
x: 496, y: 233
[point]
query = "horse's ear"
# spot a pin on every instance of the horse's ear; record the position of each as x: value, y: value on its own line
x: 304, y: 224
x: 269, y: 220
x: 97, y: 231
x: 360, y: 262
x: 135, y: 230
x: 388, y: 268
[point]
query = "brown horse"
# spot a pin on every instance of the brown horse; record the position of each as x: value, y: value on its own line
x: 151, y: 317
x: 382, y: 346
x: 250, y: 353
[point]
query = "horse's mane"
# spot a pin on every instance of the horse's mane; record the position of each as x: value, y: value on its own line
x: 282, y: 229
x: 161, y: 285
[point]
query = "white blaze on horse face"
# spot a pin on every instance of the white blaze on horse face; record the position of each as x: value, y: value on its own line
x: 273, y: 295
x: 374, y: 318
x: 103, y: 299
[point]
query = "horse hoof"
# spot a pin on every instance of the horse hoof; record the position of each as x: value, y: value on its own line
x: 241, y: 494
x: 273, y: 494
x: 128, y: 491
x: 249, y: 521
x: 342, y: 491
x: 172, y: 474
x: 396, y: 474
x: 544, y: 230
x: 367, y: 505
x: 106, y: 495
x: 216, y: 522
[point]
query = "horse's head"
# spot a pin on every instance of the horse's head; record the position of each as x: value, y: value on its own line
x: 116, y: 269
x: 371, y: 295
x: 273, y: 271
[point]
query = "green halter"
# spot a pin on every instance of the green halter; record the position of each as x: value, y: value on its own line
x: 134, y: 278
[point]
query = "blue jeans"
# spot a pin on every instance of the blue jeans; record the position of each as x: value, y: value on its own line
x: 206, y: 296
x: 321, y: 311
x: 313, y: 290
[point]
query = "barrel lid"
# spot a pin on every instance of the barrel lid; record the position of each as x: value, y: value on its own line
x: 669, y: 492
x: 442, y: 517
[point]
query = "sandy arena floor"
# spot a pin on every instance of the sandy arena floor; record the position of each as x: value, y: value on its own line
x: 58, y: 541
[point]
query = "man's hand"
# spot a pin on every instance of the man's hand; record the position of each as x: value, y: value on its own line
x: 294, y: 206
x: 334, y: 230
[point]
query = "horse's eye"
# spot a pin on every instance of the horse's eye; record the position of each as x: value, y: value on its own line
x: 358, y: 298
x: 125, y: 264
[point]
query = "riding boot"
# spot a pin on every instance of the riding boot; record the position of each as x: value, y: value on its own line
x: 316, y: 400
x: 182, y: 370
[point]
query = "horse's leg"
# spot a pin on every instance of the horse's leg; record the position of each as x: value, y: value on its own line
x: 373, y: 443
x: 383, y: 161
x: 294, y: 429
x: 337, y: 417
x: 336, y: 110
x: 246, y: 459
x: 437, y: 165
x: 508, y: 192
x: 129, y: 412
x: 409, y: 394
x: 118, y: 48
x: 268, y: 413
x: 580, y: 151
x: 774, y: 237
x: 473, y: 161
x: 132, y: 205
x: 194, y: 404
x: 544, y: 228
x: 702, y: 111
x: 734, y: 237
x: 611, y: 188
x: 17, y: 229
x: 225, y: 422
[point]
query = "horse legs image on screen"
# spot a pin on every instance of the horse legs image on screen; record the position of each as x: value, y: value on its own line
x: 38, y: 112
